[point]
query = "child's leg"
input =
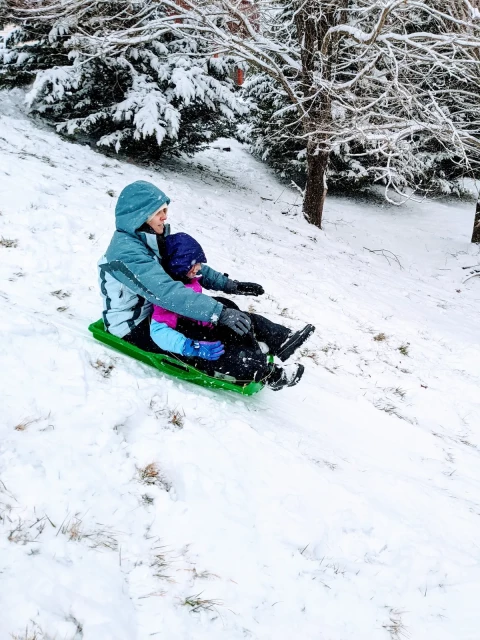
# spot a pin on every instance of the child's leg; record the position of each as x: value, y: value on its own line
x: 241, y: 362
x: 140, y: 337
x: 196, y: 331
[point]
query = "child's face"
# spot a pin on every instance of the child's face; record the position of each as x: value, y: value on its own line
x: 194, y: 270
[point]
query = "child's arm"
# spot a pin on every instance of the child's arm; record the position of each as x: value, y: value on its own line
x: 167, y: 338
x: 173, y: 341
x: 212, y: 279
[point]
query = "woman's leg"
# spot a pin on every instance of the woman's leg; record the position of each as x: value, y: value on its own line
x: 140, y: 337
x: 226, y: 302
x: 272, y: 334
x: 243, y: 359
x: 280, y: 340
x: 263, y: 330
x: 242, y: 363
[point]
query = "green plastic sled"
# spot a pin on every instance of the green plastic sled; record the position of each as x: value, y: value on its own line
x: 171, y: 366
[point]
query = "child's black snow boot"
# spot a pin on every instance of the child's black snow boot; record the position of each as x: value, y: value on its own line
x: 294, y: 341
x: 288, y: 377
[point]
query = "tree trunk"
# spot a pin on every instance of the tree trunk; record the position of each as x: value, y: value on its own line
x: 312, y: 23
x: 476, y: 225
x: 316, y: 188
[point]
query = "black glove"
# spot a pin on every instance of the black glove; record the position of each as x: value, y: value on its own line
x: 235, y: 320
x: 243, y: 288
x: 250, y: 289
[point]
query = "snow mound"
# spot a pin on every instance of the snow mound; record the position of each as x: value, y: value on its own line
x: 133, y: 505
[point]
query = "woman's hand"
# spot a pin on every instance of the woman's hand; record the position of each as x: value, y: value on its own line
x: 236, y: 320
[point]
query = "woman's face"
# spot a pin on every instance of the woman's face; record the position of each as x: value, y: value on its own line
x: 194, y: 270
x: 157, y: 221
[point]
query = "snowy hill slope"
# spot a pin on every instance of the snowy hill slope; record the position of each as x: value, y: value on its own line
x: 135, y: 506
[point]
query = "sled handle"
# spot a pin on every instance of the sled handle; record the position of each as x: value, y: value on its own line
x: 175, y: 367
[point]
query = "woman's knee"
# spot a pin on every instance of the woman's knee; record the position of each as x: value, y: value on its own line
x: 227, y: 303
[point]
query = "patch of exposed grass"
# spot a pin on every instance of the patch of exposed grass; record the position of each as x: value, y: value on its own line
x: 151, y: 475
x: 104, y: 368
x: 397, y: 391
x: 79, y: 627
x: 20, y: 534
x: 16, y: 275
x: 331, y: 465
x: 60, y: 294
x: 331, y: 346
x: 330, y: 369
x: 29, y: 634
x: 34, y: 632
x: 309, y: 353
x: 380, y: 337
x: 75, y: 531
x: 25, y: 532
x: 467, y: 443
x: 160, y: 563
x: 196, y: 603
x: 403, y: 348
x: 391, y: 409
x: 8, y: 243
x: 204, y: 575
x: 48, y: 161
x: 395, y: 626
x: 25, y: 423
x: 387, y: 407
x: 176, y: 417
x: 323, y: 462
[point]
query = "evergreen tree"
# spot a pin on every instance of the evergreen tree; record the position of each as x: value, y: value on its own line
x: 272, y: 130
x: 383, y: 90
x: 275, y: 135
x: 166, y: 95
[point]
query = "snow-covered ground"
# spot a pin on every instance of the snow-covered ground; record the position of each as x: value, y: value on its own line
x: 346, y: 508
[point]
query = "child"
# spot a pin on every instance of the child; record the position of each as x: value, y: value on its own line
x: 217, y: 350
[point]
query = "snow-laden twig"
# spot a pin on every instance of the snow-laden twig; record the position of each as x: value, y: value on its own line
x: 474, y: 275
x: 383, y: 252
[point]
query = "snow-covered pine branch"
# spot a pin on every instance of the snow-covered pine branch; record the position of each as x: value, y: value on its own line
x: 120, y: 73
